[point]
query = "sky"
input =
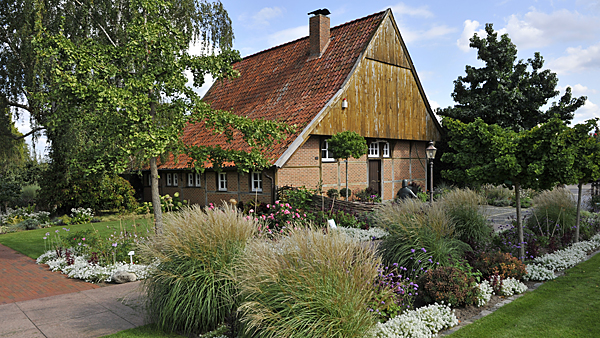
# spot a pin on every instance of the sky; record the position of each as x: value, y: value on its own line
x: 436, y: 34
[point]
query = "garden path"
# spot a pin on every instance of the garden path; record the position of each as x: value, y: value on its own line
x: 501, y: 216
x: 35, y: 302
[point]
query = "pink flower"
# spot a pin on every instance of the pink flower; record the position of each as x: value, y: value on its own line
x: 276, y: 202
x: 251, y: 211
x: 83, y: 239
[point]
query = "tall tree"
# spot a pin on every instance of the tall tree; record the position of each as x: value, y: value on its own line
x: 586, y: 165
x: 484, y: 153
x: 24, y: 77
x: 505, y: 91
x: 128, y: 90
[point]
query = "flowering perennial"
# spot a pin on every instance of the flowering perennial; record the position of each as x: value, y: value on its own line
x: 424, y: 322
x: 511, y: 286
x: 484, y: 294
x: 543, y: 267
x: 79, y: 267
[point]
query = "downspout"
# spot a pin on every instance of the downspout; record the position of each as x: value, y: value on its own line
x: 272, y: 188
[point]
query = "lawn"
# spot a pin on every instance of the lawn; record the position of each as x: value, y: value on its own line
x: 146, y: 331
x: 568, y: 306
x: 31, y: 242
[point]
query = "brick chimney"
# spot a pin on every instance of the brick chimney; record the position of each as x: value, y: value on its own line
x: 319, y: 34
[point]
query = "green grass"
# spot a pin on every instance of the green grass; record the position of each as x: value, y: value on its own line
x: 31, y: 242
x: 146, y: 331
x: 568, y: 306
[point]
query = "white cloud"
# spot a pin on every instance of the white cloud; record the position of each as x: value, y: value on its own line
x: 261, y: 18
x: 589, y: 110
x: 577, y: 60
x: 470, y: 28
x: 287, y: 35
x: 402, y: 9
x: 538, y: 29
x: 434, y: 105
x: 419, y: 35
x: 578, y: 89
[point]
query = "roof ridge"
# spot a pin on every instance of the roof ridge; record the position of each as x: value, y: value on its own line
x: 307, y: 36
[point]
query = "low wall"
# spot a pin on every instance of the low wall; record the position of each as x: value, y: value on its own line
x: 319, y: 201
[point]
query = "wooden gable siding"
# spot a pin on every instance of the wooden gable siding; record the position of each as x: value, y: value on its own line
x: 384, y: 97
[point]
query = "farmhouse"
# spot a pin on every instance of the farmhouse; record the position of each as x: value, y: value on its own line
x: 357, y: 76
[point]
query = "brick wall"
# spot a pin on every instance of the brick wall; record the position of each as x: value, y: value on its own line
x: 304, y: 168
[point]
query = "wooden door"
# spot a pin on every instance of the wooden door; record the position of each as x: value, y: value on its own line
x: 375, y: 175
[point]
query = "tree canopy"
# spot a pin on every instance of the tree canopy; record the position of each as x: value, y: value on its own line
x: 130, y: 95
x: 538, y: 158
x: 508, y: 92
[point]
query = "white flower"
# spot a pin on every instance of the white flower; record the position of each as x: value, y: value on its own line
x: 424, y: 322
x: 484, y: 293
x: 511, y: 286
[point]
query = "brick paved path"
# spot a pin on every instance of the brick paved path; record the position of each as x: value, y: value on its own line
x: 21, y: 278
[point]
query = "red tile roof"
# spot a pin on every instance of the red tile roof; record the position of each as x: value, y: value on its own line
x: 282, y: 84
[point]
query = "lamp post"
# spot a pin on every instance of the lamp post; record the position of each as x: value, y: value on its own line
x: 430, y: 152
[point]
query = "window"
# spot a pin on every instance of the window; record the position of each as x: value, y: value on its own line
x: 379, y: 148
x: 326, y: 155
x: 374, y: 149
x: 169, y: 180
x: 149, y: 180
x: 198, y: 177
x: 190, y: 179
x: 256, y: 182
x: 222, y: 181
x: 175, y: 180
x: 386, y: 149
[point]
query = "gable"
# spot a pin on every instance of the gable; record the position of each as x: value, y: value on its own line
x: 385, y: 98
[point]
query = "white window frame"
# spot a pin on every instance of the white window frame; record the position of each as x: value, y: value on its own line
x: 374, y: 149
x: 325, y: 153
x: 175, y: 179
x: 256, y: 182
x: 386, y: 149
x: 169, y: 180
x: 190, y: 182
x: 222, y: 181
x: 198, y: 179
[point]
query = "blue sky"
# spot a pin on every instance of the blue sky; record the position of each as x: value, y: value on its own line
x: 436, y: 33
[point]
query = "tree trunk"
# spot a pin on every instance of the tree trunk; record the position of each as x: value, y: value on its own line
x: 158, y: 224
x: 519, y: 221
x: 579, y: 193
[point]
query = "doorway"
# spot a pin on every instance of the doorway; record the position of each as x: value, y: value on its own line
x: 375, y: 176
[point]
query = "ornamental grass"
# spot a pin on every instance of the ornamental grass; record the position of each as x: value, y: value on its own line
x: 464, y: 207
x: 307, y: 284
x: 421, y: 235
x: 554, y: 213
x: 191, y: 289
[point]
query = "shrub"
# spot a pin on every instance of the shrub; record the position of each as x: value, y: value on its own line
x: 368, y: 195
x: 463, y: 206
x: 345, y: 192
x: 191, y: 289
x: 300, y: 198
x: 421, y: 235
x: 450, y: 285
x: 28, y: 224
x: 307, y: 284
x: 333, y: 193
x: 498, y: 263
